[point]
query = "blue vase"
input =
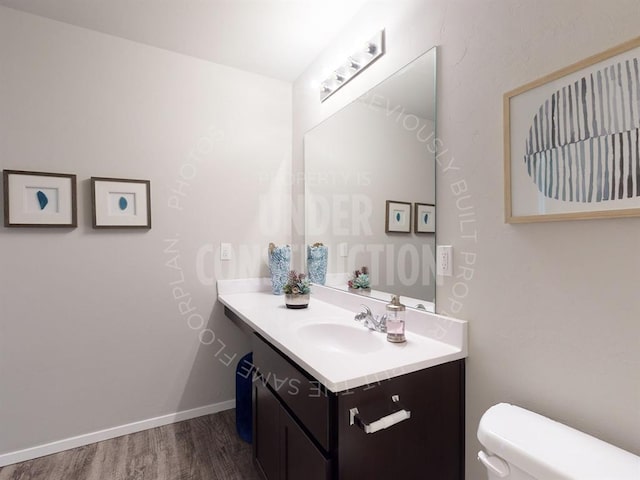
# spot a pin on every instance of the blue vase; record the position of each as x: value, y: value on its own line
x: 317, y: 257
x: 279, y: 259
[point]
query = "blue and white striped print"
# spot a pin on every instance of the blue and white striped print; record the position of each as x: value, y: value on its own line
x: 583, y: 143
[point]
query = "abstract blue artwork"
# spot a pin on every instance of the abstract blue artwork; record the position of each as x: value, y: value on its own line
x: 122, y: 204
x: 582, y: 145
x: 572, y: 141
x: 43, y: 201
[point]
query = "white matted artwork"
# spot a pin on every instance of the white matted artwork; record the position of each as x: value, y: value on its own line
x: 572, y: 146
x: 398, y: 217
x: 39, y: 199
x: 425, y: 218
x: 121, y: 203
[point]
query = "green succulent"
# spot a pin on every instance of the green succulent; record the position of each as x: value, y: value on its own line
x: 360, y: 279
x: 297, y: 284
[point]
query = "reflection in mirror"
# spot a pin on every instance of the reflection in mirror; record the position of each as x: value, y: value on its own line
x: 362, y: 166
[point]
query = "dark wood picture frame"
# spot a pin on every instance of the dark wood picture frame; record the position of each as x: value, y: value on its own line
x: 388, y: 225
x: 99, y: 205
x: 69, y: 203
x: 418, y: 227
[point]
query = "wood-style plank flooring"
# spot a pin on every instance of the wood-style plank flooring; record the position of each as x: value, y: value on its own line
x: 204, y: 448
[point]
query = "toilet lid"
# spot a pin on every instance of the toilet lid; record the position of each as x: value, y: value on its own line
x: 549, y: 450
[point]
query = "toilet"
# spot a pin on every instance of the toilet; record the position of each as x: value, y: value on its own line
x: 522, y: 445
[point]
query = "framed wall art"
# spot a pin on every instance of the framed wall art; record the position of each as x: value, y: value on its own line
x: 398, y: 217
x: 39, y: 199
x: 424, y: 218
x: 120, y: 203
x: 571, y: 141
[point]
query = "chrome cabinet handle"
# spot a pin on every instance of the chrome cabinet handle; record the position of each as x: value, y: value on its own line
x: 383, y: 422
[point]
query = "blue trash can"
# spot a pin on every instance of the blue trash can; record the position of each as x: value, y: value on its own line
x: 244, y: 408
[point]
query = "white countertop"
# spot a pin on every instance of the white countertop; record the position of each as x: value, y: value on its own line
x: 306, y: 335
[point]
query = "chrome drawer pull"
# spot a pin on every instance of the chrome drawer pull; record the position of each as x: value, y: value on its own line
x: 382, y: 423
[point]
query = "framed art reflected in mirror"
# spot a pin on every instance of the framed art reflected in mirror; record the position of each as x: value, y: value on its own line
x: 425, y: 218
x: 398, y: 217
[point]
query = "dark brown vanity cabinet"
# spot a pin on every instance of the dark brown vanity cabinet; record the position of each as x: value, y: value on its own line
x: 303, y: 432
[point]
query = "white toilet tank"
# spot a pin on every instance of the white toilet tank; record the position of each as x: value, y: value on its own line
x: 522, y: 445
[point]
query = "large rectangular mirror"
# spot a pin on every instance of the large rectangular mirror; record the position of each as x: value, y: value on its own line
x: 370, y: 187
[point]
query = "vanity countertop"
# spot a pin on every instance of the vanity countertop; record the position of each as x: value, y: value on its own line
x: 339, y: 352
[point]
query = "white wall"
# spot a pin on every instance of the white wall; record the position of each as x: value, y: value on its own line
x: 92, y: 332
x: 554, y: 322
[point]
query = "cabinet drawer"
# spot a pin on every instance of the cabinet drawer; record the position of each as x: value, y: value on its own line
x: 304, y: 396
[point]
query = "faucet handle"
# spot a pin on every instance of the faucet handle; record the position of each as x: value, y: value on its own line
x: 362, y: 315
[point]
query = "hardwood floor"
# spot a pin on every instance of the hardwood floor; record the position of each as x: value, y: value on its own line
x: 204, y: 448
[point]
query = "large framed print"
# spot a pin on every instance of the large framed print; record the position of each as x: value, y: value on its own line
x: 571, y: 141
x: 39, y: 199
x: 120, y: 203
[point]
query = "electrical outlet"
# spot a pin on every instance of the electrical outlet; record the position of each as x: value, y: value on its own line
x: 225, y: 251
x: 444, y: 260
x: 343, y: 250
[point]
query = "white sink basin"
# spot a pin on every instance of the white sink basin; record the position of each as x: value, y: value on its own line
x: 342, y: 338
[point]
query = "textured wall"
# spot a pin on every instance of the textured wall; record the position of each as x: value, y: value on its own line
x: 554, y: 322
x: 101, y: 328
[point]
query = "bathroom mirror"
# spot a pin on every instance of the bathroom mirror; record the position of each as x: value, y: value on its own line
x: 370, y: 187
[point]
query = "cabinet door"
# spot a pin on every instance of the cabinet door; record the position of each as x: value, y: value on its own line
x: 266, y: 431
x: 282, y: 450
x: 301, y: 458
x: 427, y: 446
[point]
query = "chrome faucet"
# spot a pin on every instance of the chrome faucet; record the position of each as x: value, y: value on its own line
x: 377, y: 323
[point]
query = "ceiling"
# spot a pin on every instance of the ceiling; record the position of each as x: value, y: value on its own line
x: 276, y: 38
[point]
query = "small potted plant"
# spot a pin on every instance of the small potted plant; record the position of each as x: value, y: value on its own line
x: 297, y: 290
x: 360, y: 282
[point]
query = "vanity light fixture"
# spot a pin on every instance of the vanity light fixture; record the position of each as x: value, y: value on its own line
x: 356, y: 63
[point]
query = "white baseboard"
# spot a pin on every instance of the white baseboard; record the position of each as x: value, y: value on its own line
x: 87, y: 438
